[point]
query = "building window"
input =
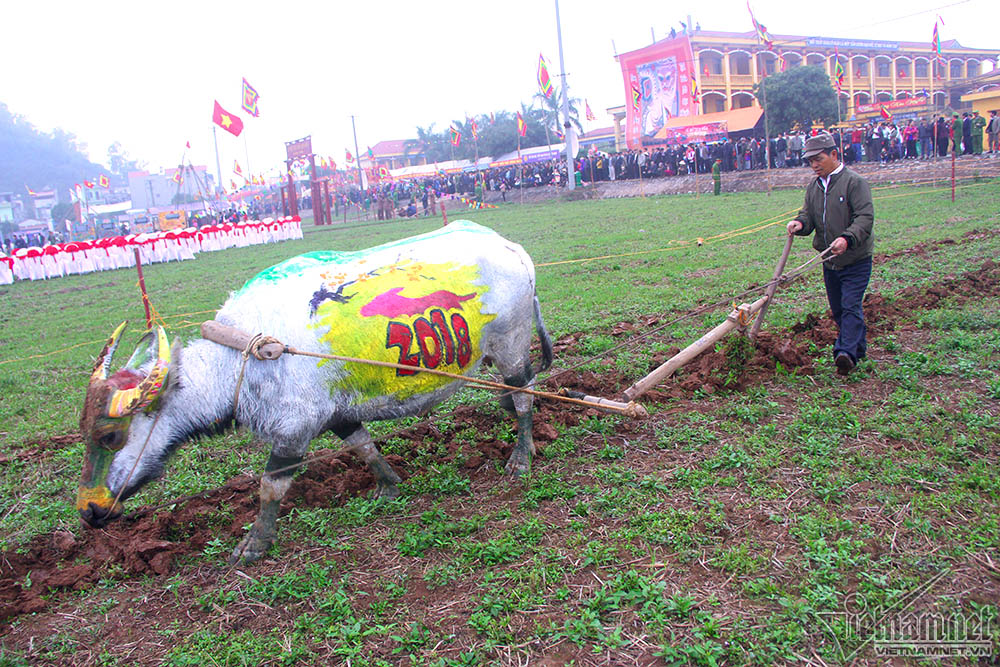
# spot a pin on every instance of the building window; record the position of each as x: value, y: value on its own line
x: 973, y: 68
x: 861, y: 68
x: 956, y: 70
x: 920, y: 67
x: 882, y: 68
x: 739, y: 63
x: 902, y: 70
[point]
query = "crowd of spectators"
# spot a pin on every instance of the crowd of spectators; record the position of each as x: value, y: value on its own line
x: 875, y: 141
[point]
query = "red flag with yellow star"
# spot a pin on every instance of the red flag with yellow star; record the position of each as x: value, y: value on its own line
x: 229, y: 122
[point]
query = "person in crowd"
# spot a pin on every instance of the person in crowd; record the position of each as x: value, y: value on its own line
x: 839, y: 212
x: 966, y: 133
x: 977, y: 124
x: 993, y: 132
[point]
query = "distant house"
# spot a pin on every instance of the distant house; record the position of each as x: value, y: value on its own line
x: 159, y: 190
x: 6, y: 207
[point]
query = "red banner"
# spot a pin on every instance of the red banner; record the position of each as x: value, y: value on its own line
x: 709, y: 132
x: 893, y: 105
x: 657, y: 88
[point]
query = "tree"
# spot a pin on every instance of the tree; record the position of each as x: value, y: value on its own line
x: 61, y: 212
x: 552, y: 109
x: 119, y: 162
x: 29, y: 157
x: 797, y: 98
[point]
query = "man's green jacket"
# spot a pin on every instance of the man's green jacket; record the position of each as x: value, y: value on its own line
x: 845, y: 210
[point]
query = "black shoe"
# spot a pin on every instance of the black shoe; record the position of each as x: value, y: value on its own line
x: 844, y: 363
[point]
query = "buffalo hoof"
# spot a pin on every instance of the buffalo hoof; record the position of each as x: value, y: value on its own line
x: 250, y: 549
x: 518, y: 465
x: 385, y: 492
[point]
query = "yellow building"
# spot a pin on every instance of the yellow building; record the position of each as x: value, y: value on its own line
x: 726, y: 65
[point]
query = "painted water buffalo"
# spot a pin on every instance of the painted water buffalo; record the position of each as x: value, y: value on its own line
x: 443, y: 300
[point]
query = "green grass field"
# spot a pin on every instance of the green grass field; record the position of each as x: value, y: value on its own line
x: 723, y: 530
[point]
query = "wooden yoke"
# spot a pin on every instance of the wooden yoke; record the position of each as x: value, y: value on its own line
x: 238, y: 340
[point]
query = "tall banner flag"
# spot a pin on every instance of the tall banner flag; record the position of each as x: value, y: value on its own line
x: 936, y: 43
x: 694, y: 90
x: 104, y: 181
x: 227, y: 121
x: 522, y: 127
x: 590, y: 114
x: 886, y: 114
x: 250, y: 99
x: 763, y: 36
x: 474, y: 128
x: 658, y: 86
x: 544, y: 82
x: 348, y: 157
x: 456, y: 136
x: 838, y: 70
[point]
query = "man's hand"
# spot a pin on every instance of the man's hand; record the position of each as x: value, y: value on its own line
x: 793, y: 226
x: 838, y: 246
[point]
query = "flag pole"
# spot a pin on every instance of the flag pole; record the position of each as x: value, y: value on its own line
x: 357, y: 156
x: 767, y: 133
x: 570, y: 180
x: 218, y: 166
x: 246, y: 152
x: 520, y: 165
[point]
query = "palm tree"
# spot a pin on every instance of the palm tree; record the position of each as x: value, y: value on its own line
x: 552, y: 108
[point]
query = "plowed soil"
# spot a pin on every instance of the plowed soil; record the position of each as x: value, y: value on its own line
x: 144, y: 544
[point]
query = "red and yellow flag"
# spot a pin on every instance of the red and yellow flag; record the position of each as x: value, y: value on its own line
x: 89, y: 184
x: 544, y: 82
x: 103, y: 181
x: 456, y: 136
x: 590, y: 114
x: 886, y: 114
x: 229, y: 122
x: 250, y: 99
x: 236, y: 168
x: 522, y: 127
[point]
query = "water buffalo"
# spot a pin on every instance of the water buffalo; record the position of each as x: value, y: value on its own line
x: 446, y: 299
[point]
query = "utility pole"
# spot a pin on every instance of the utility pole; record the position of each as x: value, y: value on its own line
x: 570, y: 176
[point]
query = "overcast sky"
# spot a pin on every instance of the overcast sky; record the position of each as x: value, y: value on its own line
x: 147, y: 77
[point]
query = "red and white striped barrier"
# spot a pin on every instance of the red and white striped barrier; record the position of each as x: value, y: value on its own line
x: 117, y: 252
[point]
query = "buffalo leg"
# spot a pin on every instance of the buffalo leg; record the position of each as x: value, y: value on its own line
x: 519, y: 462
x: 360, y: 442
x: 273, y: 486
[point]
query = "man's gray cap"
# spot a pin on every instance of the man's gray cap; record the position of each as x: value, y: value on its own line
x: 815, y: 145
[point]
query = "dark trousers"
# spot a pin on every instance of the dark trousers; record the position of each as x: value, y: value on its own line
x: 845, y: 288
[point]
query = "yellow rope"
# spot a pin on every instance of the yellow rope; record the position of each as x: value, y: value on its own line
x: 671, y: 245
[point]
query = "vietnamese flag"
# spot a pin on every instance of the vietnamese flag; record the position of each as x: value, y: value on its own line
x: 227, y: 121
x: 89, y: 184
